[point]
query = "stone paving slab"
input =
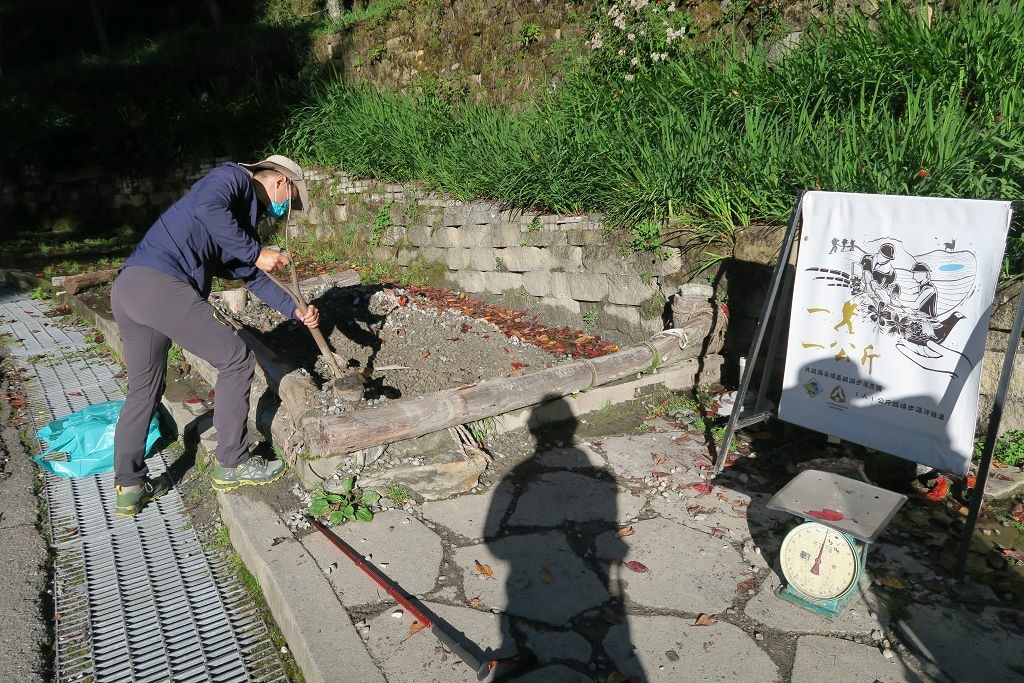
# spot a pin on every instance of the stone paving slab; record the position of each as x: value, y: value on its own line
x: 552, y: 646
x: 471, y: 516
x: 581, y: 456
x: 719, y: 652
x: 636, y: 455
x: 686, y: 569
x: 820, y: 659
x: 555, y: 498
x: 865, y: 613
x: 420, y: 657
x: 553, y: 674
x: 732, y: 514
x: 971, y: 646
x: 395, y: 542
x: 537, y: 576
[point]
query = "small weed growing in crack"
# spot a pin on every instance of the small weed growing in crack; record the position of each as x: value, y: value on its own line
x: 348, y: 504
x: 381, y: 224
x: 397, y: 494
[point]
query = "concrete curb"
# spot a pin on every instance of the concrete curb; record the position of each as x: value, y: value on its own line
x: 307, y: 610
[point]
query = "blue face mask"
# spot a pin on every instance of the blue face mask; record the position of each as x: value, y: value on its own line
x: 279, y: 209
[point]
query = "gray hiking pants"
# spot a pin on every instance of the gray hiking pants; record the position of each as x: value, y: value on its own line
x: 153, y: 309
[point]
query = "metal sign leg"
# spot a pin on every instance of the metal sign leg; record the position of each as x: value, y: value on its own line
x: 755, y: 348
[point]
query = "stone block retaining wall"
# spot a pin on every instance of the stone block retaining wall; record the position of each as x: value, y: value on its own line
x: 567, y: 270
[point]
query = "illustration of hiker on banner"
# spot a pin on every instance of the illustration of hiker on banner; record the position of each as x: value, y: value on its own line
x: 913, y: 298
x: 890, y: 308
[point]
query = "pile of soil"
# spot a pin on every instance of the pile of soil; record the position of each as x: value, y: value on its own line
x: 404, y: 343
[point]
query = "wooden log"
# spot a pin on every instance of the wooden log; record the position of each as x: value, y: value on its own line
x: 76, y: 283
x: 337, y: 435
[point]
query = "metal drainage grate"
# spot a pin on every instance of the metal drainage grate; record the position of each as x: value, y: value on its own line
x: 135, y: 599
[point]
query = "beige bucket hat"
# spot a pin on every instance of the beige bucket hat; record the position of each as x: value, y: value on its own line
x: 290, y: 169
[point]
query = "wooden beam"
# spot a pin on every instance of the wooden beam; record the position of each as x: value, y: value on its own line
x: 352, y: 431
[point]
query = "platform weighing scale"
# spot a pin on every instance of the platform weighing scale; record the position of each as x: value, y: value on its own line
x: 822, y: 558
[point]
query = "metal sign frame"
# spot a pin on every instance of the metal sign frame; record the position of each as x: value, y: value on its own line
x: 776, y: 309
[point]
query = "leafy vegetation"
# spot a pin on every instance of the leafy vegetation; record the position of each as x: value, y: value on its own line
x: 679, y: 139
x: 1009, y: 448
x: 381, y: 223
x: 350, y: 503
x: 397, y: 494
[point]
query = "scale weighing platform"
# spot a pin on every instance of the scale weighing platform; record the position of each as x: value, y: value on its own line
x: 822, y: 559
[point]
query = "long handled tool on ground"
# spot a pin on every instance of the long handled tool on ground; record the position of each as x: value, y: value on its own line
x: 482, y: 668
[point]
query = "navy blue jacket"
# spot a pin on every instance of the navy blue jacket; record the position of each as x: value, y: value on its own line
x: 211, y: 231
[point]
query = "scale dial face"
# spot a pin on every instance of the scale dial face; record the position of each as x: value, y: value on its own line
x: 819, y: 561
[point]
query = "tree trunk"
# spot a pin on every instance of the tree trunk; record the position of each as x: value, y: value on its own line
x: 337, y: 435
x: 333, y: 10
x: 101, y: 29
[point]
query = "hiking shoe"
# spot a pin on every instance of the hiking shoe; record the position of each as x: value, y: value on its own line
x: 256, y: 471
x: 131, y: 499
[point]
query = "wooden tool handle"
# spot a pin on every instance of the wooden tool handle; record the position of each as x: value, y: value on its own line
x: 318, y: 336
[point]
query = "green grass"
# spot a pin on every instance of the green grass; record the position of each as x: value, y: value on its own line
x: 716, y: 136
x: 1009, y: 448
x: 397, y: 494
x: 1012, y: 523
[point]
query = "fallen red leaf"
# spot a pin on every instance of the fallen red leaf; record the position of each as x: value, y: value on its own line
x: 426, y: 354
x: 415, y: 627
x: 827, y: 514
x: 1013, y: 554
x: 938, y: 491
x: 1017, y: 513
x: 703, y: 489
x: 638, y: 567
x: 484, y: 569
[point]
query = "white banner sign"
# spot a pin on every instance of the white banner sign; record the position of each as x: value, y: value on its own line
x: 891, y: 304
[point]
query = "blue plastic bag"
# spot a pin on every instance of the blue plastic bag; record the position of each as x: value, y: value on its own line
x: 82, y: 443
